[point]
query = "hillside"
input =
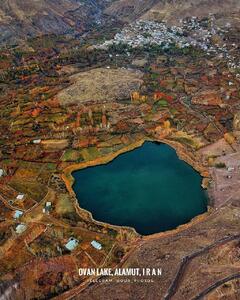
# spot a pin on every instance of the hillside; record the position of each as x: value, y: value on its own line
x: 22, y: 18
x: 172, y: 10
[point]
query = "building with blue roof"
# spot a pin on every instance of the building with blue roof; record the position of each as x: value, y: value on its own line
x: 17, y: 214
x: 72, y: 244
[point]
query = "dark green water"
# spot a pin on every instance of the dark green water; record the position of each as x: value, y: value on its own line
x: 149, y: 189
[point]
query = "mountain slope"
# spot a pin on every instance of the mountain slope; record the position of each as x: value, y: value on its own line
x: 20, y: 19
x: 172, y: 10
x: 24, y: 18
x: 129, y: 10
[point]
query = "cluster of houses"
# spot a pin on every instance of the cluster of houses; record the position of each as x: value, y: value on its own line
x: 71, y: 244
x: 191, y: 33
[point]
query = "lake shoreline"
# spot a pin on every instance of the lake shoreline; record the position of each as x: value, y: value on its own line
x: 182, y: 154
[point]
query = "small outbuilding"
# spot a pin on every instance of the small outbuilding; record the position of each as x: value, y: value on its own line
x: 20, y: 197
x: 37, y: 141
x: 21, y: 228
x: 96, y: 245
x: 72, y: 244
x: 1, y: 173
x: 17, y: 214
x: 47, y: 208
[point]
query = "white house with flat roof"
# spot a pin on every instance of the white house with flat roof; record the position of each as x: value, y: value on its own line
x: 37, y: 141
x: 96, y: 245
x: 21, y: 228
x: 72, y: 244
x: 20, y: 197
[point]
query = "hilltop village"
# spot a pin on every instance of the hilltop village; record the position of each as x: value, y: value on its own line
x: 76, y: 103
x: 202, y: 34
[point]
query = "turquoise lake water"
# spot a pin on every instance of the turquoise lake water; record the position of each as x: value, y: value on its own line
x: 149, y: 189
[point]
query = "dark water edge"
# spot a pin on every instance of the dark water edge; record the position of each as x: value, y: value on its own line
x: 148, y: 188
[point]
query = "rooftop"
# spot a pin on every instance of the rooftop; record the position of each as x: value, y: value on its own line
x: 96, y: 245
x: 21, y: 228
x: 1, y: 172
x: 20, y: 196
x: 72, y: 244
x: 17, y: 214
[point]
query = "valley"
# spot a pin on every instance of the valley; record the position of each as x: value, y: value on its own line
x: 71, y: 101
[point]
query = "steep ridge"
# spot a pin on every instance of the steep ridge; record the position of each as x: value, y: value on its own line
x: 173, y: 10
x: 23, y: 18
x: 129, y: 10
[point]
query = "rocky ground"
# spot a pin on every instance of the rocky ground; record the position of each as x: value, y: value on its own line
x: 117, y: 84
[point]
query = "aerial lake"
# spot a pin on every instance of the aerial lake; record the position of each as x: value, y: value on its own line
x: 148, y: 188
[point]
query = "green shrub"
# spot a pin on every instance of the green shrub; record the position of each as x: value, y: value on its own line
x: 220, y: 165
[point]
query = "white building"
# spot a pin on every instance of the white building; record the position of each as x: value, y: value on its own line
x: 96, y: 245
x: 37, y: 141
x: 20, y: 197
x: 72, y: 244
x: 21, y: 228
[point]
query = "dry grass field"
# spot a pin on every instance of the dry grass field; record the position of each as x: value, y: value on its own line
x: 101, y: 84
